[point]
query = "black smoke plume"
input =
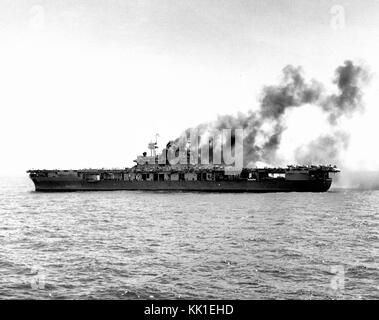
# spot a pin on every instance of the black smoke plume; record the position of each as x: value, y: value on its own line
x: 294, y: 91
x: 349, y: 79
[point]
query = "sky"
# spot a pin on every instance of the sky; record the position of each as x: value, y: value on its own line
x: 89, y: 83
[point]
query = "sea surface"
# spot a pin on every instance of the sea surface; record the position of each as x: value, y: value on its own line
x: 159, y: 245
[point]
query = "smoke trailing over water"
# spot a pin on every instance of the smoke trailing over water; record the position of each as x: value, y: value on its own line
x: 263, y: 129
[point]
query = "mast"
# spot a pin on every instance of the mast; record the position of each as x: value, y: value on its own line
x: 153, y: 145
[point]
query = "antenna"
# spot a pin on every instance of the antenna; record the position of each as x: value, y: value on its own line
x: 153, y: 145
x: 156, y: 140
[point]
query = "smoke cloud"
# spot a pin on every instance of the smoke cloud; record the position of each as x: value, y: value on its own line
x: 349, y: 79
x: 324, y: 150
x: 263, y: 129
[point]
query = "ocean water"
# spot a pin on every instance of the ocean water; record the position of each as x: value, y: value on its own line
x: 159, y: 245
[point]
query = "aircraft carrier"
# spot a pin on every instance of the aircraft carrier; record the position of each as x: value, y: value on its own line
x: 150, y: 173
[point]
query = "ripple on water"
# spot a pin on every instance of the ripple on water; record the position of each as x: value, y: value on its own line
x: 136, y: 245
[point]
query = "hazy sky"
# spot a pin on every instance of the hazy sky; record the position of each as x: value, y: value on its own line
x: 89, y: 83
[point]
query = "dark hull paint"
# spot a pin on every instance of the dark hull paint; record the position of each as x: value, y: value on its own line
x: 55, y: 185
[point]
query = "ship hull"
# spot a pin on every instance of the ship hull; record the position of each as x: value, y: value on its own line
x: 59, y: 185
